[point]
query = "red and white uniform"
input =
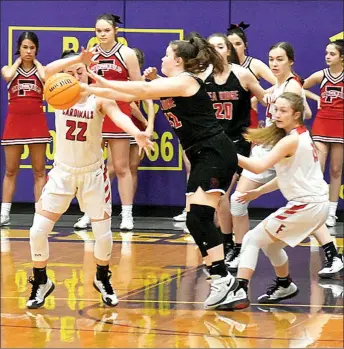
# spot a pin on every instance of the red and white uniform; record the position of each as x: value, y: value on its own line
x: 26, y: 122
x: 259, y: 151
x: 79, y: 168
x: 253, y: 113
x: 301, y: 182
x: 328, y: 125
x: 111, y: 66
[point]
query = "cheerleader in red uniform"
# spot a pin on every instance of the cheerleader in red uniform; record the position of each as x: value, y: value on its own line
x: 328, y: 126
x: 237, y: 36
x: 116, y: 62
x: 26, y: 122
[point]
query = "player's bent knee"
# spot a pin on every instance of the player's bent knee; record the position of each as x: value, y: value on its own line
x: 103, y: 236
x: 39, y: 231
x: 277, y: 255
x: 238, y: 208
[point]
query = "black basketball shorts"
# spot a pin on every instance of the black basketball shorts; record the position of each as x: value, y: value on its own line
x: 214, y: 162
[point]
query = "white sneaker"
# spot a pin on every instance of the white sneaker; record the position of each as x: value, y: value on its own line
x: 233, y: 264
x: 105, y: 288
x: 219, y: 289
x: 181, y: 217
x: 277, y: 293
x: 331, y: 221
x: 39, y: 293
x: 127, y: 222
x: 333, y: 268
x: 5, y: 220
x: 237, y: 298
x: 83, y: 223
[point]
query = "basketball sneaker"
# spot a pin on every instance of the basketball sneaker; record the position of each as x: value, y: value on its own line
x: 5, y: 220
x: 277, y: 293
x: 236, y: 299
x: 219, y: 290
x: 104, y: 287
x: 181, y: 217
x: 333, y: 268
x: 127, y: 221
x: 83, y: 223
x: 39, y: 293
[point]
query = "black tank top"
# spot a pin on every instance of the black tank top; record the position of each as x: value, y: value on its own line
x: 191, y: 117
x: 231, y: 102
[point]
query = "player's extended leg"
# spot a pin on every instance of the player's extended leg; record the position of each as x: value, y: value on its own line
x: 255, y: 240
x: 42, y: 286
x: 102, y: 252
x: 241, y: 221
x: 200, y: 222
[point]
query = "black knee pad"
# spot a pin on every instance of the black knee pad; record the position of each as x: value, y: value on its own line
x: 193, y: 224
x: 203, y: 216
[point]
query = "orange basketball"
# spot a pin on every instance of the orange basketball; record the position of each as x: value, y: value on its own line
x: 62, y: 91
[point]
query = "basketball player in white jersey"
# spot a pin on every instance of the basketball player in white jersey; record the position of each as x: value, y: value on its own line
x: 78, y: 171
x: 281, y: 60
x: 300, y: 179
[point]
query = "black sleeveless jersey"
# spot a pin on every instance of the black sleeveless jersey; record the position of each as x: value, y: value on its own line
x: 231, y: 102
x: 192, y: 118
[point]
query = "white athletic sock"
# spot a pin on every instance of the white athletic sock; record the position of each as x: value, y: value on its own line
x: 36, y: 206
x: 333, y: 208
x: 6, y: 208
x: 127, y: 210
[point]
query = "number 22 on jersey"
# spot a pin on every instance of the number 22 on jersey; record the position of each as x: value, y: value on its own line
x: 76, y: 131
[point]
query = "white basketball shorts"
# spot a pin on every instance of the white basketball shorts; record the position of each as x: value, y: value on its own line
x: 296, y: 221
x: 92, y: 189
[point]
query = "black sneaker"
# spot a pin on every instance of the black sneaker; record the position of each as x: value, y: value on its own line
x: 105, y: 288
x: 277, y: 293
x: 39, y: 293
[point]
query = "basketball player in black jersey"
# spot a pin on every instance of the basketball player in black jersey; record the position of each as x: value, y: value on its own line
x: 230, y: 92
x: 212, y: 155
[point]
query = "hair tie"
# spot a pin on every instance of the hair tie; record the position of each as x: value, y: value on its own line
x: 117, y: 19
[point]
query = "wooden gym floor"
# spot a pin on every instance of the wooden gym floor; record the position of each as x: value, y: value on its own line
x: 161, y: 288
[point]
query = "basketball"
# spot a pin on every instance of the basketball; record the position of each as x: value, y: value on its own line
x: 62, y: 91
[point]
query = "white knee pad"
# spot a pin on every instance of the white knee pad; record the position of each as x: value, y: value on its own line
x: 237, y: 208
x: 39, y: 231
x: 249, y: 251
x: 276, y: 254
x: 103, y: 235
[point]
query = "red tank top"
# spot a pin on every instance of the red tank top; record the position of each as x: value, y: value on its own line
x: 111, y: 64
x: 331, y: 96
x: 26, y: 86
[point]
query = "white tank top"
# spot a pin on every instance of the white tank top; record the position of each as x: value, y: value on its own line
x: 277, y: 90
x: 79, y: 134
x: 300, y: 177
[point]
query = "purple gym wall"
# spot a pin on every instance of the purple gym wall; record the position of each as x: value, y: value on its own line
x: 150, y: 25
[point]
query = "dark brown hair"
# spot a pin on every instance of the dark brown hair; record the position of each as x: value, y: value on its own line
x: 197, y: 55
x: 29, y: 36
x: 233, y: 56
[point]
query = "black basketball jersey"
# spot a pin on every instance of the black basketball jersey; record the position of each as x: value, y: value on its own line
x: 191, y: 117
x: 231, y: 102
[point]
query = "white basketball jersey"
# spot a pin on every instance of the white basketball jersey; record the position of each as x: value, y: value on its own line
x: 300, y: 177
x: 278, y: 90
x: 79, y: 134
